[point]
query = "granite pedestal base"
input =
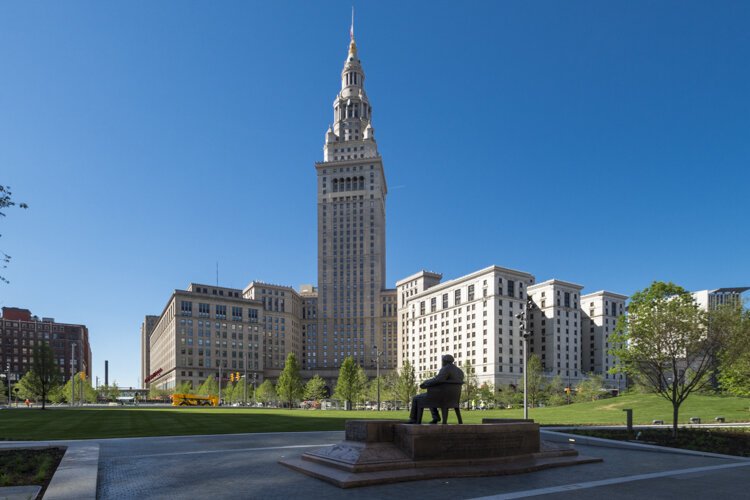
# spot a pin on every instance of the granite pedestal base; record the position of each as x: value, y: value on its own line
x: 388, y: 451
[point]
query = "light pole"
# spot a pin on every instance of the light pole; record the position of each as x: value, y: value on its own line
x: 221, y: 365
x: 377, y: 371
x: 525, y: 336
x: 244, y: 397
x: 73, y: 373
x: 254, y: 398
x: 7, y: 379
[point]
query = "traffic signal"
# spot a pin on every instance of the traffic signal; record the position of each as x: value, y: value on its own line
x: 231, y: 377
x: 83, y: 376
x: 567, y: 390
x: 237, y: 376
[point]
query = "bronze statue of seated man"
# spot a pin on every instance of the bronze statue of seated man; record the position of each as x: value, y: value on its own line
x: 442, y: 387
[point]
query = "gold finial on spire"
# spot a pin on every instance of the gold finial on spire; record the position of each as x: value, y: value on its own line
x: 352, y: 43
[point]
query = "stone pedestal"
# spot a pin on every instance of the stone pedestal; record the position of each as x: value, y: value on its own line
x: 387, y: 451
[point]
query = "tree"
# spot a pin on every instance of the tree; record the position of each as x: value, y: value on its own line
x: 471, y: 383
x: 486, y: 393
x: 82, y: 384
x: 590, y: 389
x: 42, y: 377
x: 185, y: 387
x: 6, y: 201
x: 508, y: 396
x: 289, y: 386
x: 663, y: 342
x: 265, y: 392
x: 3, y: 390
x: 155, y: 392
x: 210, y: 387
x: 27, y: 387
x: 405, y: 387
x: 57, y: 395
x: 349, y: 385
x: 555, y: 391
x: 535, y: 377
x: 315, y: 389
x: 732, y: 323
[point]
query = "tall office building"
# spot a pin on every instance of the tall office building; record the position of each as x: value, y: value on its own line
x: 351, y: 231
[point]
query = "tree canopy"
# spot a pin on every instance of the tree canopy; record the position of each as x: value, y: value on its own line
x: 405, y: 385
x: 6, y: 201
x: 350, y: 385
x: 315, y: 389
x: 663, y: 343
x: 289, y: 387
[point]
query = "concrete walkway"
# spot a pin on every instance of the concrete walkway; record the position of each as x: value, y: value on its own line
x: 245, y: 466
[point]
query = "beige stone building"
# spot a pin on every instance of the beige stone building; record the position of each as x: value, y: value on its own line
x: 554, y: 322
x: 600, y: 312
x: 204, y: 330
x: 471, y: 317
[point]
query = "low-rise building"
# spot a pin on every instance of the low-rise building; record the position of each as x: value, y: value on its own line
x: 21, y: 332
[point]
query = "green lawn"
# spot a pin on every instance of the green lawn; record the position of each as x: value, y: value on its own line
x: 63, y: 423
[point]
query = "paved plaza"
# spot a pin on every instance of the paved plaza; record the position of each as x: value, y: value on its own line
x: 245, y: 466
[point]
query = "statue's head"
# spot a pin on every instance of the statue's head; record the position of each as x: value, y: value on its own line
x: 447, y: 359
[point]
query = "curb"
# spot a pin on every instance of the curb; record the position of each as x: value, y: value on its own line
x: 561, y: 437
x: 76, y: 476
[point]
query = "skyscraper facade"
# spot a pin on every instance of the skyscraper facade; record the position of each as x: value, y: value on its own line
x: 351, y: 232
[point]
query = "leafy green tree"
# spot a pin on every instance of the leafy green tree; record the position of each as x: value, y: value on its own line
x: 155, y: 392
x: 536, y: 380
x: 405, y: 384
x: 590, y: 389
x: 89, y: 393
x: 185, y: 387
x: 471, y: 384
x: 3, y: 390
x: 290, y: 387
x: 508, y: 396
x: 663, y: 342
x: 732, y: 323
x: 42, y: 377
x: 349, y: 385
x: 265, y: 392
x: 6, y: 201
x: 57, y: 395
x: 27, y: 387
x: 315, y: 389
x: 555, y: 392
x: 486, y: 393
x: 210, y: 387
x: 227, y: 392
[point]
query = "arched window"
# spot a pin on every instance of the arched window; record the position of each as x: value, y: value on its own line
x: 361, y: 183
x: 335, y: 185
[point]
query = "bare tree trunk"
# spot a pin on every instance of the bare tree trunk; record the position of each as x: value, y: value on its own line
x: 675, y: 419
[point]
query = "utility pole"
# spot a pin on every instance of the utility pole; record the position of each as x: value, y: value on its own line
x: 73, y: 373
x: 525, y: 335
x: 7, y: 379
x: 80, y: 361
x: 377, y: 371
x: 244, y: 397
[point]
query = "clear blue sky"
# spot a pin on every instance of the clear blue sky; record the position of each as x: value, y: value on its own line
x: 605, y: 143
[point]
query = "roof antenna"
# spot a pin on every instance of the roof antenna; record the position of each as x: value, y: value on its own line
x: 217, y: 273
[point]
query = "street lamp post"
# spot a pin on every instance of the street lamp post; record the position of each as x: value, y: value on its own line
x: 377, y: 371
x: 525, y: 336
x: 254, y: 398
x: 72, y: 373
x: 7, y: 379
x: 244, y: 394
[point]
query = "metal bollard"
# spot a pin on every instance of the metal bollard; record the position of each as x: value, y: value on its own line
x: 629, y: 412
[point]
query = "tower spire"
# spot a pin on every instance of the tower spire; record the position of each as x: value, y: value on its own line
x: 351, y: 28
